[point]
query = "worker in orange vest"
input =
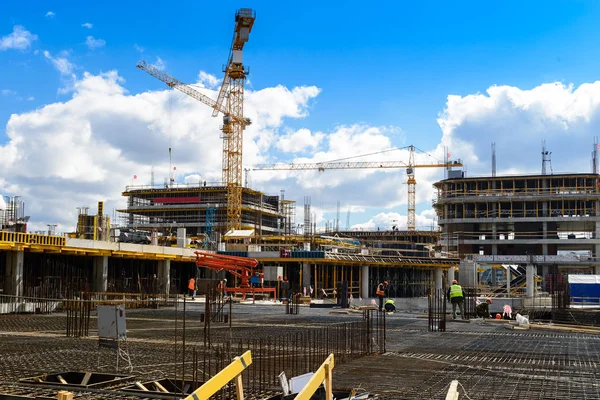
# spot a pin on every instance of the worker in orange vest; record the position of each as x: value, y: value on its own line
x: 221, y: 288
x: 381, y: 293
x: 192, y: 288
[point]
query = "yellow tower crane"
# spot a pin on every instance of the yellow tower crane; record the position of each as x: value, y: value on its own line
x: 370, y: 165
x: 234, y: 122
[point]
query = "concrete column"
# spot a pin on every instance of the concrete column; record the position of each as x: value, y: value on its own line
x: 13, y: 284
x: 597, y: 236
x: 530, y: 281
x: 450, y: 276
x: 306, y: 275
x: 437, y: 275
x: 508, y: 279
x: 181, y: 237
x: 468, y: 273
x: 364, y: 289
x: 100, y: 283
x: 164, y: 276
x: 494, y: 237
x: 544, y: 236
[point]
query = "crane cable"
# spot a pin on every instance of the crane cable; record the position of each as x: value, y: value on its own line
x: 381, y: 152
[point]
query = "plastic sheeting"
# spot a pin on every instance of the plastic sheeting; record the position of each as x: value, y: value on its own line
x: 584, y: 279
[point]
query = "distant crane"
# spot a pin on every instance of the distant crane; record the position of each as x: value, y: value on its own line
x: 410, y: 167
x: 234, y: 122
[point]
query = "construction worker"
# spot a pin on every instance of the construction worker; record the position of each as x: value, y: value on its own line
x: 221, y: 288
x: 192, y: 288
x: 483, y: 309
x: 455, y: 296
x: 381, y: 293
x: 389, y: 306
x: 285, y: 287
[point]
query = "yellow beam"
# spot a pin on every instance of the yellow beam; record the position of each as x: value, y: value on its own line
x: 324, y: 373
x: 214, y: 384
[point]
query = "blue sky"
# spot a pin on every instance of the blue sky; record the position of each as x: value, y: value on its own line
x: 393, y: 64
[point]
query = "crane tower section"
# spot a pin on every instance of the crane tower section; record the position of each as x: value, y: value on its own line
x: 233, y: 83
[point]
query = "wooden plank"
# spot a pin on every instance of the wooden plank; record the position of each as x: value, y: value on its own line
x: 323, y: 373
x: 62, y: 380
x: 214, y: 384
x: 86, y: 378
x: 563, y: 329
x: 139, y: 385
x: 328, y: 382
x: 453, y: 391
x: 160, y: 387
x: 239, y: 387
x: 64, y: 395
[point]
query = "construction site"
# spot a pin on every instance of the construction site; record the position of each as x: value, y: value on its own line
x: 216, y: 290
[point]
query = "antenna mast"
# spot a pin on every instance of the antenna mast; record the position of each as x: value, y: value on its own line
x: 493, y: 158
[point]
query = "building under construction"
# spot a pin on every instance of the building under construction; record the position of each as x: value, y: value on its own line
x: 548, y: 223
x: 12, y: 217
x: 202, y: 210
x: 93, y: 227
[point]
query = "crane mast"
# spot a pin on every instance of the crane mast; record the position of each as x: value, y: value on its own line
x: 412, y: 189
x: 233, y: 131
x: 234, y: 122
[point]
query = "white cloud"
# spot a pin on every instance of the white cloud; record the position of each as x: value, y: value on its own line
x: 160, y: 64
x: 7, y: 92
x: 300, y: 140
x: 31, y: 98
x: 517, y: 121
x: 19, y: 39
x: 93, y: 43
x: 138, y: 48
x: 285, y: 102
x: 78, y: 153
x: 50, y: 14
x: 342, y: 143
x: 208, y: 80
x: 60, y: 62
x: 392, y: 220
x: 87, y: 25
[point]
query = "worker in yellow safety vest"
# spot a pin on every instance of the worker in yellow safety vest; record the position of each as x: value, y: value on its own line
x: 455, y: 296
x: 380, y: 292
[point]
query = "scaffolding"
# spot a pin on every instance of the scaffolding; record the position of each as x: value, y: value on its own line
x: 210, y: 223
x: 289, y: 217
x: 510, y: 216
x: 93, y: 227
x: 165, y: 209
x: 12, y: 217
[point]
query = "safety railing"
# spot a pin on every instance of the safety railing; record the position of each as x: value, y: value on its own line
x: 31, y: 238
x: 555, y: 191
x: 10, y: 304
x: 584, y: 302
x: 508, y: 236
x: 520, y: 213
